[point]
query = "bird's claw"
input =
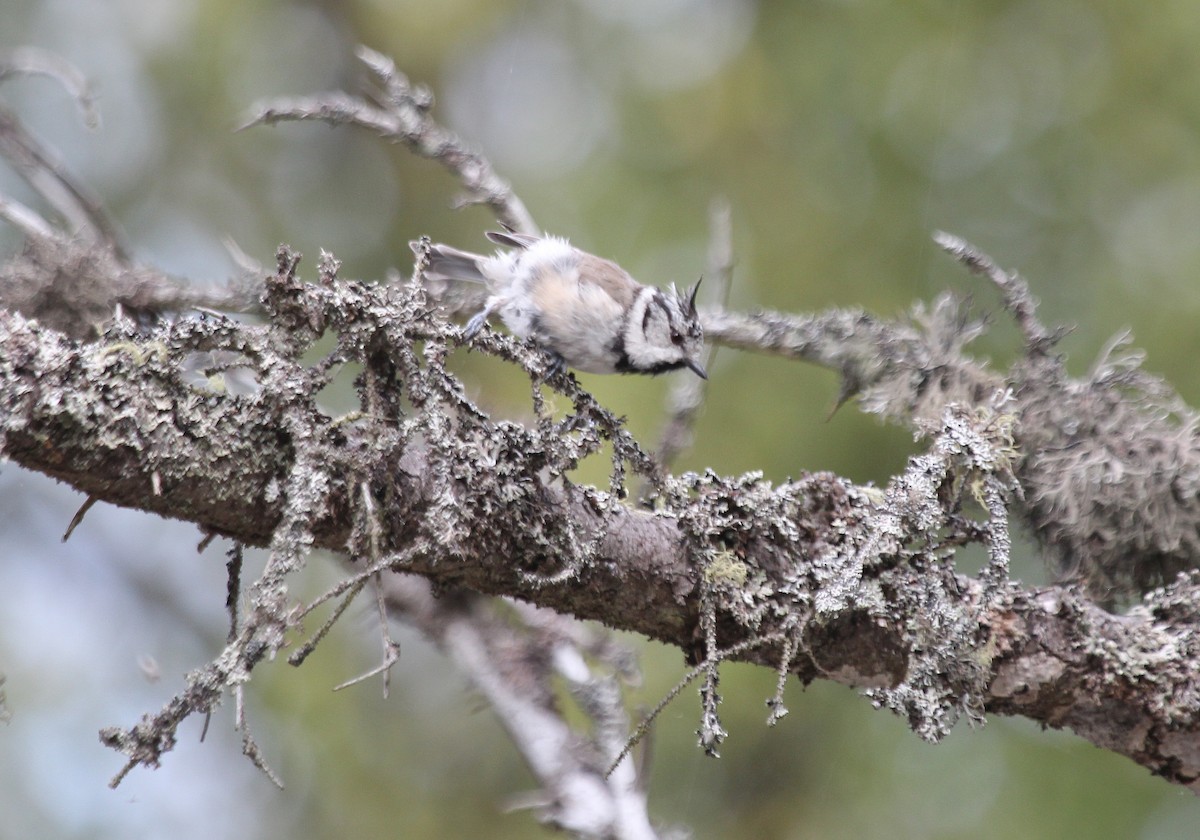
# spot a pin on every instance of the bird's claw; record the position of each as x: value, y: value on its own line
x: 557, y: 365
x: 474, y: 326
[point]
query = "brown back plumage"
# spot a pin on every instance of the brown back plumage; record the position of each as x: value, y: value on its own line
x: 614, y: 280
x: 609, y: 276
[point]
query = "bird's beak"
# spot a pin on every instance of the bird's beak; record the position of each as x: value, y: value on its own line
x: 696, y: 368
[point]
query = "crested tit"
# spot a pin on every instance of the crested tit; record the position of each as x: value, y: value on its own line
x: 587, y: 312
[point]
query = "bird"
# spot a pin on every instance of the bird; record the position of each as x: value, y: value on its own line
x: 587, y: 312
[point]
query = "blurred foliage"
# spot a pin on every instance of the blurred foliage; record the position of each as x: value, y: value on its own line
x: 1063, y: 138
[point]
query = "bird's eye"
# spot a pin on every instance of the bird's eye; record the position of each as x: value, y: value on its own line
x: 676, y: 337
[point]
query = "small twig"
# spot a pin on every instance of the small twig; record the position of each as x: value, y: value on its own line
x: 5, y: 714
x: 25, y: 220
x: 233, y: 584
x: 391, y: 648
x: 353, y: 586
x: 120, y: 775
x: 416, y: 280
x: 644, y: 726
x: 78, y: 517
x: 775, y: 704
x: 393, y: 562
x: 298, y: 656
x: 250, y: 747
x: 49, y: 177
x: 391, y: 655
x: 994, y: 575
x: 403, y: 116
x: 251, y: 750
x: 34, y: 61
x: 1014, y: 291
x: 711, y: 732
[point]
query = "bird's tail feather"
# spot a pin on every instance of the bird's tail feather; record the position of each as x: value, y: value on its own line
x: 446, y: 263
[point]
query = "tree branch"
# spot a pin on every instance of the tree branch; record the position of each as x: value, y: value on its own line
x: 815, y: 577
x: 400, y: 113
x: 816, y: 560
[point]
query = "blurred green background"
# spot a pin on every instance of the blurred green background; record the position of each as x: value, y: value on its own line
x: 1063, y: 138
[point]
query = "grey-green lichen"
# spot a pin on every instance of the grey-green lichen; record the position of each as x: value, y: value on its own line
x: 816, y: 576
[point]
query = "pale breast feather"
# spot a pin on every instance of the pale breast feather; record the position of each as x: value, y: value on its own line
x: 568, y: 305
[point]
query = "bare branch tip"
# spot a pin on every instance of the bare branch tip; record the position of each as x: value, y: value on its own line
x: 378, y: 63
x: 259, y: 113
x: 78, y: 517
x: 31, y: 61
x: 116, y: 780
x: 956, y: 246
x: 26, y: 220
x: 251, y: 750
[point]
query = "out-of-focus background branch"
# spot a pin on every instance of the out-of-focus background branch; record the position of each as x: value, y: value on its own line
x: 1011, y: 126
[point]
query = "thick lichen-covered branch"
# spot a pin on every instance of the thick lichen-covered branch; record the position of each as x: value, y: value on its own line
x: 1109, y: 463
x: 856, y: 586
x: 816, y: 577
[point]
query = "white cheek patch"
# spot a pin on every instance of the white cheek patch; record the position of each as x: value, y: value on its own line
x: 648, y: 341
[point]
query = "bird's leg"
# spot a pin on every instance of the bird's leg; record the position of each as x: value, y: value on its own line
x: 480, y: 318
